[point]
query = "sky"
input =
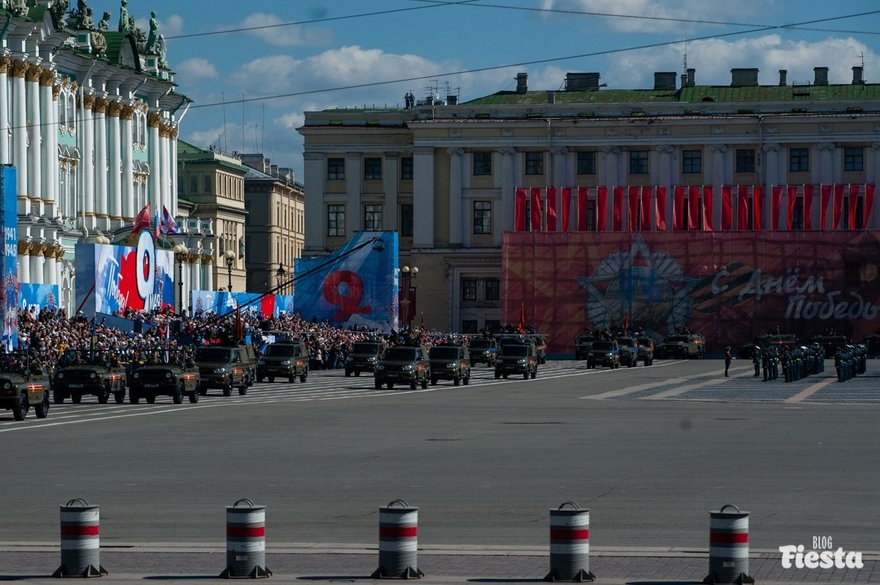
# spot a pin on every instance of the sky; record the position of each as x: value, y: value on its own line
x: 253, y: 68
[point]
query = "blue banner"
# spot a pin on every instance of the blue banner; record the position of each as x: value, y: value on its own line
x: 222, y: 303
x: 8, y: 268
x: 357, y: 285
x: 36, y: 297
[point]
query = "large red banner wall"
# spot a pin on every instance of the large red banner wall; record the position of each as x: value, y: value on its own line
x: 730, y: 287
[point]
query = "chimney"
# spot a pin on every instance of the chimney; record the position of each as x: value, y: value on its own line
x: 744, y: 77
x: 691, y: 77
x: 820, y: 76
x: 664, y: 80
x: 581, y: 81
x: 684, y: 80
x: 783, y: 76
x: 522, y: 82
x: 858, y: 79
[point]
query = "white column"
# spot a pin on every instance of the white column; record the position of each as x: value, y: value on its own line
x: 50, y: 142
x: 37, y: 262
x: 390, y: 180
x: 24, y: 262
x: 208, y: 275
x: 50, y: 269
x: 129, y: 209
x: 172, y: 144
x: 87, y: 168
x: 35, y: 133
x: 508, y: 197
x: 5, y: 156
x: 165, y: 141
x: 354, y: 176
x: 314, y: 209
x: 115, y: 173
x: 423, y: 197
x: 19, y: 130
x: 102, y: 207
x: 154, y: 196
x: 456, y: 219
x: 824, y: 171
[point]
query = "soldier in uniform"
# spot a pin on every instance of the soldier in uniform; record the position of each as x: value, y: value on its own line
x: 756, y: 360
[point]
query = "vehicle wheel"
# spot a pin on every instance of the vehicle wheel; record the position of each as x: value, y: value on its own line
x: 303, y: 377
x: 433, y: 381
x: 193, y: 397
x: 497, y: 374
x: 456, y: 381
x: 292, y: 379
x: 632, y: 364
x: 20, y: 407
x: 242, y: 390
x: 389, y: 385
x: 534, y: 373
x: 525, y: 375
x: 589, y: 366
x: 57, y: 397
x: 412, y: 384
x: 357, y: 373
x: 466, y: 380
x: 76, y: 398
x: 227, y: 389
x: 425, y: 384
x: 347, y: 373
x: 103, y: 396
x: 177, y: 397
x: 150, y: 398
x: 119, y: 396
x: 378, y: 384
x: 134, y: 397
x: 42, y: 409
x: 271, y: 379
x: 505, y: 375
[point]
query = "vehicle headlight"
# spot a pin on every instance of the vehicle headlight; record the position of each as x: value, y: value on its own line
x: 407, y: 367
x: 219, y: 370
x: 609, y: 354
x: 380, y: 367
x: 371, y: 358
x: 450, y: 365
x: 168, y: 375
x: 261, y: 363
x: 285, y: 363
x: 523, y: 361
x: 136, y: 375
x: 7, y: 386
x: 60, y: 375
x: 93, y: 375
x: 349, y: 359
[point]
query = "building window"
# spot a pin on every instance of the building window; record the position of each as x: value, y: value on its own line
x: 372, y: 218
x: 482, y: 164
x: 406, y: 168
x: 493, y: 289
x: 208, y: 184
x: 586, y: 163
x: 482, y: 217
x: 534, y: 163
x: 853, y: 158
x: 691, y: 162
x: 468, y: 289
x: 193, y: 184
x: 335, y: 169
x: 406, y: 220
x: 745, y: 160
x: 638, y: 162
x: 336, y: 220
x: 798, y: 160
x: 373, y: 169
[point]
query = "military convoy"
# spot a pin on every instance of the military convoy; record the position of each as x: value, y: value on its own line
x: 24, y: 383
x: 88, y: 372
x: 517, y: 356
x: 166, y: 373
x: 682, y: 346
x: 287, y: 359
x: 364, y: 356
x: 450, y: 362
x: 225, y: 367
x: 404, y: 364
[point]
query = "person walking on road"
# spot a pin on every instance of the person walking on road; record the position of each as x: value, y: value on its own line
x: 728, y: 357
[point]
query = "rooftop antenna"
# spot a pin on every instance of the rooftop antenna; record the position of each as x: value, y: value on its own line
x: 223, y: 99
x: 685, y: 56
x: 263, y: 128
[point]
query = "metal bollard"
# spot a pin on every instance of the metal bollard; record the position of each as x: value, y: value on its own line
x: 569, y: 544
x: 728, y: 547
x: 245, y: 541
x: 80, y: 540
x: 398, y: 542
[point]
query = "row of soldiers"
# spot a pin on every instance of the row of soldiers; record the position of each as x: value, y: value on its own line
x: 795, y: 363
x: 851, y: 361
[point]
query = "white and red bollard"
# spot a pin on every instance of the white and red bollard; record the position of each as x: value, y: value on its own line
x: 728, y: 547
x: 80, y: 540
x: 398, y: 542
x: 569, y: 544
x: 245, y: 541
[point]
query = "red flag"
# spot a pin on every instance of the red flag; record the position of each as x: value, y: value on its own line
x: 142, y: 220
x: 837, y: 209
x: 854, y: 190
x: 602, y: 205
x: 808, y: 207
x: 693, y: 207
x: 726, y: 207
x: 617, y: 212
x: 522, y: 318
x: 758, y: 202
x: 678, y: 209
x: 708, y: 208
x: 743, y: 205
x: 551, y: 209
x: 519, y: 220
x: 870, y: 188
x: 823, y: 211
x: 566, y: 207
x: 583, y: 194
x: 660, y: 208
x: 537, y: 214
x: 634, y: 193
x: 646, y: 207
x: 791, y: 203
x: 776, y: 203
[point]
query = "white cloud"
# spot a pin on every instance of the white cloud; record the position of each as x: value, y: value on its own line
x: 196, y: 69
x: 173, y: 25
x: 285, y: 36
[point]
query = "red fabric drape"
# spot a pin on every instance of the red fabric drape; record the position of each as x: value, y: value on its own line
x: 758, y: 203
x: 808, y: 207
x: 601, y: 207
x: 775, y: 205
x: 870, y: 189
x: 708, y: 208
x: 634, y: 193
x: 617, y: 211
x: 693, y: 207
x: 854, y: 191
x: 646, y: 208
x: 825, y: 191
x: 551, y: 209
x: 678, y: 209
x: 792, y: 201
x: 537, y: 211
x: 726, y: 207
x: 837, y: 209
x: 519, y: 219
x: 660, y: 209
x: 583, y: 195
x: 743, y: 207
x: 566, y: 208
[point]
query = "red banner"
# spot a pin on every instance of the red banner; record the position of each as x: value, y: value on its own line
x: 583, y: 195
x: 566, y: 207
x: 726, y: 208
x: 758, y: 203
x: 775, y: 205
x: 743, y: 205
x: 634, y: 193
x: 791, y: 203
x: 678, y: 208
x: 617, y: 211
x: 693, y: 208
x: 646, y: 207
x: 708, y: 209
x: 870, y: 188
x: 823, y: 212
x: 854, y: 190
x: 537, y: 212
x: 660, y: 209
x: 519, y: 219
x: 808, y: 207
x: 837, y: 210
x: 551, y: 209
x: 601, y: 206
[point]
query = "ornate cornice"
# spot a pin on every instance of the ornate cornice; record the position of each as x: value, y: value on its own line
x: 5, y: 64
x: 20, y: 68
x: 153, y: 120
x: 114, y: 108
x: 127, y: 112
x: 88, y: 101
x: 34, y: 72
x: 47, y: 77
x: 100, y: 106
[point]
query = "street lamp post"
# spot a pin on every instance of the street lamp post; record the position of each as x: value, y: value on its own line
x: 279, y: 274
x: 180, y: 255
x: 229, y: 256
x: 407, y: 273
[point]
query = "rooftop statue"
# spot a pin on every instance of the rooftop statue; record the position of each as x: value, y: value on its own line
x: 124, y: 26
x: 104, y: 25
x: 153, y: 38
